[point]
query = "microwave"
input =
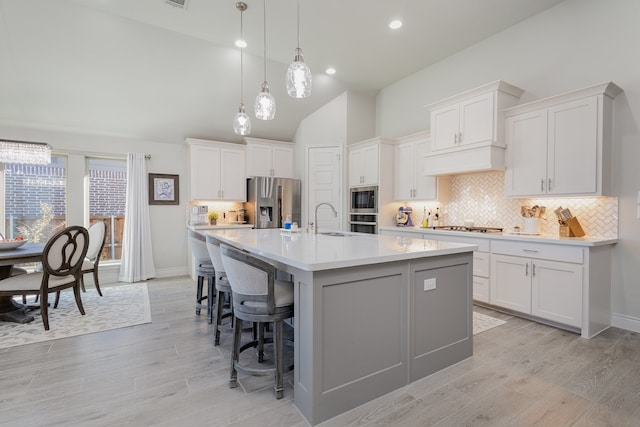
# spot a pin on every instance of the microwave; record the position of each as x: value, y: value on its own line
x: 363, y: 199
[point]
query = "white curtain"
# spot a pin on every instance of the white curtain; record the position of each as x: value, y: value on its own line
x: 137, y: 255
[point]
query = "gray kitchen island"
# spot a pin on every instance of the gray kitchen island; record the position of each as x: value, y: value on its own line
x: 372, y: 313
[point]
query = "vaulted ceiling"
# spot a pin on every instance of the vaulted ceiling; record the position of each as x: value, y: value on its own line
x: 148, y: 69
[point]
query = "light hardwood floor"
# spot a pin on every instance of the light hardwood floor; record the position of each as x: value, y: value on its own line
x: 168, y: 373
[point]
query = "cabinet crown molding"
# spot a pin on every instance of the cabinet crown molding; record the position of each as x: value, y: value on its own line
x: 377, y: 139
x: 497, y: 85
x: 211, y: 143
x: 251, y: 140
x: 608, y: 89
x: 418, y: 136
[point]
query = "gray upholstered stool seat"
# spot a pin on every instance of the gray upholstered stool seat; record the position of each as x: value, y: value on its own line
x: 204, y: 270
x: 223, y: 288
x: 257, y: 297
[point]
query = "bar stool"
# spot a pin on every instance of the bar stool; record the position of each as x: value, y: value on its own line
x: 257, y: 297
x: 223, y: 288
x: 204, y: 270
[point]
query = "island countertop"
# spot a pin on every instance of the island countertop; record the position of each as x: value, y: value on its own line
x: 315, y: 252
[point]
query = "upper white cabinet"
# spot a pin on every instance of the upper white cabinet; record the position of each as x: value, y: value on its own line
x: 467, y: 129
x: 467, y: 122
x: 269, y: 158
x: 365, y: 159
x: 561, y: 146
x: 412, y: 181
x: 217, y: 170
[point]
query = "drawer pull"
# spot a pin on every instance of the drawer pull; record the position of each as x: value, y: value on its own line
x: 526, y: 269
x: 531, y: 251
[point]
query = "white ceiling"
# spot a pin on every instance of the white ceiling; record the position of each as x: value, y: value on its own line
x: 144, y: 68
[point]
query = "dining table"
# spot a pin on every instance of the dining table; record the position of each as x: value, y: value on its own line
x: 10, y: 310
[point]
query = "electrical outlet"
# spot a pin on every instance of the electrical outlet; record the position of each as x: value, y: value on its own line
x: 429, y: 284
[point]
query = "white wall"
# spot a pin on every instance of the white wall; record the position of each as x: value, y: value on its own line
x: 350, y: 117
x: 168, y: 223
x: 573, y: 45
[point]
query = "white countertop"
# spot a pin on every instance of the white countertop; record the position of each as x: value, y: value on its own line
x: 218, y: 227
x: 539, y: 238
x: 314, y: 252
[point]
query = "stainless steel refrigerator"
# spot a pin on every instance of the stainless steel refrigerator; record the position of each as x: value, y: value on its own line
x: 271, y: 200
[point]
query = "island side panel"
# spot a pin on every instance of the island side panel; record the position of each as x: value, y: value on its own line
x: 357, y: 348
x: 441, y: 327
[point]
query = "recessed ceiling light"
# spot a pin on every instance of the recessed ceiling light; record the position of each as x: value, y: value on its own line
x: 395, y: 24
x: 331, y: 71
x: 241, y: 43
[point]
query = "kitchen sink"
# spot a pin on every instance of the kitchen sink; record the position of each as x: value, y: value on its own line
x: 333, y: 233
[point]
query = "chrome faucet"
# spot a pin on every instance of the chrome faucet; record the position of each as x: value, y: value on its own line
x: 315, y: 217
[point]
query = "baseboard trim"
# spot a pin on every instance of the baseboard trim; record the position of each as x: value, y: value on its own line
x: 109, y: 274
x: 623, y: 321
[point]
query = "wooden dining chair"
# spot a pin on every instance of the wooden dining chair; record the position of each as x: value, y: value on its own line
x: 62, y: 259
x: 97, y: 238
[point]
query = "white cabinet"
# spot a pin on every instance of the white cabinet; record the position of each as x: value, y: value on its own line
x: 269, y: 158
x: 556, y: 290
x: 364, y: 164
x: 481, y: 286
x: 546, y: 283
x: 217, y: 170
x: 467, y: 130
x: 467, y: 122
x: 548, y: 289
x: 561, y: 146
x: 411, y: 181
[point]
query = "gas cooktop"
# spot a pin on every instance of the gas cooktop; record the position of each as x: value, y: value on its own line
x: 468, y: 229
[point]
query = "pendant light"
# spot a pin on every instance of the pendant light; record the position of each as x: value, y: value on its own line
x: 298, y: 74
x: 241, y: 123
x: 265, y: 105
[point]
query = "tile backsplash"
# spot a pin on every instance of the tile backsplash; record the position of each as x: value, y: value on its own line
x: 480, y: 197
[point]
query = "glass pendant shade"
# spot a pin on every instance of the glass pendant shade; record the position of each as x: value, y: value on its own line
x: 298, y: 77
x: 242, y: 122
x: 265, y: 106
x: 33, y: 153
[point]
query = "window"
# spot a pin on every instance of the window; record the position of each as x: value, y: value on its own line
x: 107, y: 198
x: 35, y: 199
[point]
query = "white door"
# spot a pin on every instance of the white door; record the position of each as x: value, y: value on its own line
x: 444, y: 127
x: 405, y: 173
x: 324, y: 183
x: 511, y: 282
x: 476, y: 119
x: 573, y: 147
x: 526, y: 136
x: 556, y: 292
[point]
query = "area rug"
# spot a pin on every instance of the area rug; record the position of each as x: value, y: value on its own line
x: 482, y: 322
x: 121, y: 306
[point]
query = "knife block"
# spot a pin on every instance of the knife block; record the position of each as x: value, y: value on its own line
x: 575, y: 229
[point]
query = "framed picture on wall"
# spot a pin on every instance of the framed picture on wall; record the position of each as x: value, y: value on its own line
x: 164, y: 189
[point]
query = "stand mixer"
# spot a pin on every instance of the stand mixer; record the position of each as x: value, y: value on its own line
x: 403, y: 218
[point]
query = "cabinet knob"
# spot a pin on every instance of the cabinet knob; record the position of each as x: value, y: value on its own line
x: 533, y: 270
x: 526, y: 269
x: 542, y: 184
x: 549, y: 184
x: 460, y: 137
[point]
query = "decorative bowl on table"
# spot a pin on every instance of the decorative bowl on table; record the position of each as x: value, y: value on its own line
x: 11, y: 244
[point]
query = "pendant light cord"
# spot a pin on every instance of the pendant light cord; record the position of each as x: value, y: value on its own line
x: 241, y: 62
x: 264, y: 28
x: 298, y: 21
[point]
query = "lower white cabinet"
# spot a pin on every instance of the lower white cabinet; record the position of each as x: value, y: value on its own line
x: 511, y: 283
x: 551, y: 290
x: 556, y: 291
x: 481, y: 287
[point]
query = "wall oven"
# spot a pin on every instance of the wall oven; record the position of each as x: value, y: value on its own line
x: 363, y: 200
x: 363, y: 209
x: 363, y: 223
